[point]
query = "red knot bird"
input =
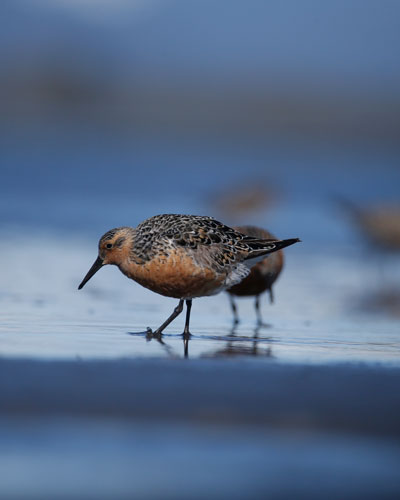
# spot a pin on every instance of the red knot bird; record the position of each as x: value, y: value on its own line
x: 380, y: 223
x: 182, y: 256
x: 262, y: 275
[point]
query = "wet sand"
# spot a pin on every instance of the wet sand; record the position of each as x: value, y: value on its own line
x: 192, y: 428
x: 334, y: 397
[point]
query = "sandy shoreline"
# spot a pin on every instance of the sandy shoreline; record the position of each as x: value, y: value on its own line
x: 345, y: 397
x: 159, y: 428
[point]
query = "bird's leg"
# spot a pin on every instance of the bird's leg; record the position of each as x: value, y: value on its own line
x: 271, y: 296
x: 234, y: 311
x: 260, y: 322
x: 186, y: 332
x: 178, y: 309
x: 258, y: 312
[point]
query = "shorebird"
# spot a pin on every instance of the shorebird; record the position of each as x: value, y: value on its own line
x: 262, y: 275
x: 182, y: 256
x: 380, y: 223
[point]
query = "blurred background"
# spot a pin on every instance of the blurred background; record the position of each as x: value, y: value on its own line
x: 113, y: 111
x: 284, y: 114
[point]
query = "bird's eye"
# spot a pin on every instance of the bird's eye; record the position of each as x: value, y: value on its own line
x: 109, y: 245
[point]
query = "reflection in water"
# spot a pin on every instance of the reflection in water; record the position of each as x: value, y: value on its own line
x: 235, y: 345
x: 186, y: 346
x: 158, y: 337
x: 244, y: 346
x: 149, y: 335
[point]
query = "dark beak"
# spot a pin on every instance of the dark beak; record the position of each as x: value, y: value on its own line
x: 92, y: 271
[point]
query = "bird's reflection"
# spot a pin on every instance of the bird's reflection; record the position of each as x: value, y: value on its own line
x: 186, y: 347
x: 239, y: 346
x: 150, y: 335
x: 236, y: 345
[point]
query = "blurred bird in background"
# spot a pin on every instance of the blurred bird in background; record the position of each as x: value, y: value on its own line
x: 380, y: 223
x: 262, y: 275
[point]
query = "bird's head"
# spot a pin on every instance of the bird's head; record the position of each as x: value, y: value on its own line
x: 114, y: 248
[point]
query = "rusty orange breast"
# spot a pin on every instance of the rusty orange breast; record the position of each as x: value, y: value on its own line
x: 174, y: 275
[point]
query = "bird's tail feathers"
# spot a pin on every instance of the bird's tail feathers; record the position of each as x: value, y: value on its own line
x: 259, y: 248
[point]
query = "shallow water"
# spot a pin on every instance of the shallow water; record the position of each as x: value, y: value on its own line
x: 328, y: 306
x: 316, y: 318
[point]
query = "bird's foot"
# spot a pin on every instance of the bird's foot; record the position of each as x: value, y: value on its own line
x: 150, y: 335
x: 186, y: 334
x: 141, y: 334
